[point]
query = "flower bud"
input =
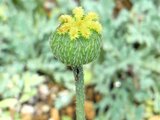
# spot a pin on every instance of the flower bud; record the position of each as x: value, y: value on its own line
x: 77, y: 40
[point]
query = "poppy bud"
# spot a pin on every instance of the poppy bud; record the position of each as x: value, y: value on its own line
x: 77, y: 40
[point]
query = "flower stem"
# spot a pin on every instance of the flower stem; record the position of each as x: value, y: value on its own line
x: 80, y: 96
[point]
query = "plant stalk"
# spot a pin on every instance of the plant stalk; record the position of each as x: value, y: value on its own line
x: 80, y: 96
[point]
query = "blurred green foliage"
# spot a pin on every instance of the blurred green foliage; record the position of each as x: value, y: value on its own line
x: 126, y: 73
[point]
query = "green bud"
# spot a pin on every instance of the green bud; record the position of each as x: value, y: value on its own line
x: 75, y: 52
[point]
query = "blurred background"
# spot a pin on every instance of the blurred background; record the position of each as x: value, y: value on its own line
x: 122, y: 84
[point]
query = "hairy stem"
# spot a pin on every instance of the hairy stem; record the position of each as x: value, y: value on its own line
x: 80, y: 96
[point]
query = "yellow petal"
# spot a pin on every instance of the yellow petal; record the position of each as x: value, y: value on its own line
x: 73, y: 33
x: 79, y: 24
x: 91, y: 16
x: 78, y: 12
x: 85, y: 32
x: 65, y: 18
x: 94, y: 25
x: 63, y: 29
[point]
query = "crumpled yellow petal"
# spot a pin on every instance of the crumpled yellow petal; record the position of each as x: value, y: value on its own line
x: 78, y: 13
x: 65, y: 18
x: 73, y: 32
x: 86, y: 33
x: 63, y: 28
x: 91, y: 16
x: 95, y: 26
x: 79, y: 24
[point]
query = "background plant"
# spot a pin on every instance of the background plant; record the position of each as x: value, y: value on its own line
x: 127, y: 72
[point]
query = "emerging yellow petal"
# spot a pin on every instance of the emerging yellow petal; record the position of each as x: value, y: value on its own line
x: 86, y: 33
x: 65, y: 18
x: 73, y: 33
x: 95, y: 26
x: 78, y: 12
x: 63, y: 28
x: 91, y: 16
x: 79, y: 24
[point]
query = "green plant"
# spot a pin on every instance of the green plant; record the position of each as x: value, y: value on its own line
x: 130, y: 57
x: 126, y: 73
x: 77, y: 42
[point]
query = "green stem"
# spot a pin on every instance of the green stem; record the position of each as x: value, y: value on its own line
x: 80, y: 96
